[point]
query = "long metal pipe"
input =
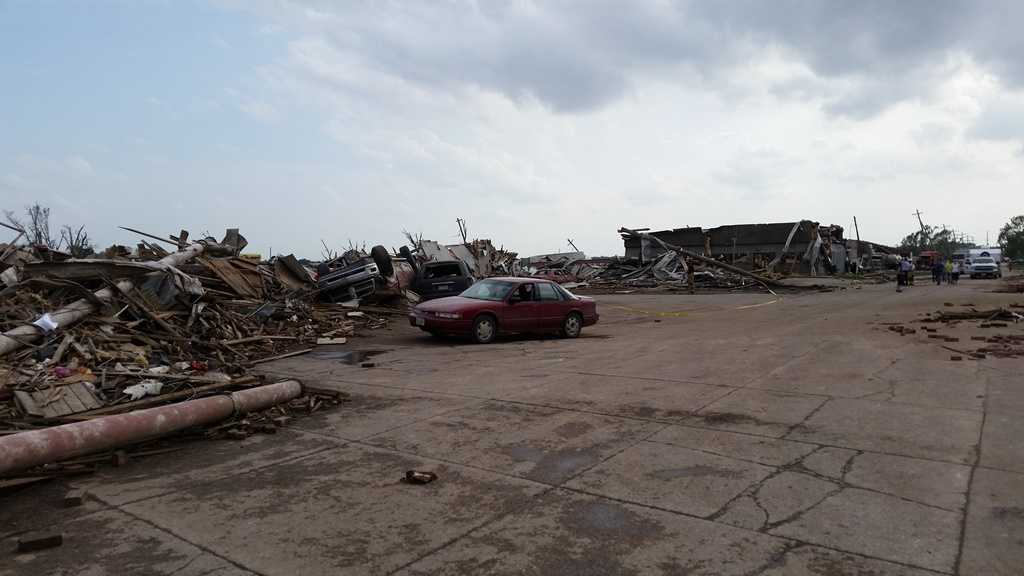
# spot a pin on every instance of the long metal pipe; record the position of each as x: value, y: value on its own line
x: 17, y: 337
x: 37, y: 447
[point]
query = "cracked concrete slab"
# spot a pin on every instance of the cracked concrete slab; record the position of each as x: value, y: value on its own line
x: 45, y: 507
x: 962, y: 394
x: 880, y: 526
x: 339, y: 512
x: 758, y: 412
x: 1001, y: 445
x: 631, y: 397
x: 758, y: 449
x: 110, y: 542
x: 787, y: 494
x: 925, y: 481
x: 994, y: 535
x: 829, y: 461
x: 371, y: 410
x: 895, y: 428
x: 744, y: 512
x: 566, y: 533
x: 544, y: 444
x: 671, y: 477
x: 814, y: 561
x: 842, y: 375
x: 1004, y: 394
x: 200, y: 462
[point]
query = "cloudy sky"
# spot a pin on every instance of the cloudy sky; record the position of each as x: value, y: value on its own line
x: 535, y: 121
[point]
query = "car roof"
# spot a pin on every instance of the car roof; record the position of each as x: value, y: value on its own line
x: 519, y: 279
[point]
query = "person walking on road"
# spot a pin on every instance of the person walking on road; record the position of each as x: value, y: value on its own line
x: 957, y: 268
x: 903, y: 274
x: 937, y: 270
x: 949, y: 272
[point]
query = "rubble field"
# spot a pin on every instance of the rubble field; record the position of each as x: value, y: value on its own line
x: 854, y: 431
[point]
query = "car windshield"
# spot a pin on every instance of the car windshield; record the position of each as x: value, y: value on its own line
x: 493, y: 290
x: 984, y: 261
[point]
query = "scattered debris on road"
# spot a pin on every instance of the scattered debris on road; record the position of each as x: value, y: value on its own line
x: 418, y: 477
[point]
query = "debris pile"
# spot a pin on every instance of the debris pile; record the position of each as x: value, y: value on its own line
x: 668, y: 272
x: 673, y: 268
x: 90, y: 338
x: 997, y: 345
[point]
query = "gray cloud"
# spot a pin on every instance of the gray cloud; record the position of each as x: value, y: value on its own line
x: 1001, y: 120
x: 577, y: 56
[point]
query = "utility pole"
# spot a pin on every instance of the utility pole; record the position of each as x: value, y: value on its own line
x: 462, y: 229
x: 857, y: 230
x: 919, y: 221
x: 573, y: 245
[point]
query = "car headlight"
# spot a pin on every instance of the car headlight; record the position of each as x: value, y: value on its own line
x: 449, y: 315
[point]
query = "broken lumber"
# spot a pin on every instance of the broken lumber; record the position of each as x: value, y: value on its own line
x: 700, y: 258
x: 18, y: 337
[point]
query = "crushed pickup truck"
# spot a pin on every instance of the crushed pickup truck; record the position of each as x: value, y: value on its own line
x: 354, y: 275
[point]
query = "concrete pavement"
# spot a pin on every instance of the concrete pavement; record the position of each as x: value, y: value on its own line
x: 726, y: 434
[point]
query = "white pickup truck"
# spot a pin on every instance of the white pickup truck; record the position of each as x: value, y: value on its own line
x: 984, y: 267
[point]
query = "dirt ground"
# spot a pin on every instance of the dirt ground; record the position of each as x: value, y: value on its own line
x: 721, y: 434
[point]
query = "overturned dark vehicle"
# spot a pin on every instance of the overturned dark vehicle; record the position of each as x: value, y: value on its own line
x: 354, y: 275
x: 440, y: 279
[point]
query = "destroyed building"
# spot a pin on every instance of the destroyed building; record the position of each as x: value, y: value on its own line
x: 803, y: 247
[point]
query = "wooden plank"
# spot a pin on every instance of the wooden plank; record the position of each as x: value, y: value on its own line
x: 27, y: 403
x: 282, y: 356
x: 248, y: 339
x: 84, y: 396
x: 74, y: 404
x: 59, y: 354
x: 56, y: 408
x: 231, y: 276
x: 156, y: 400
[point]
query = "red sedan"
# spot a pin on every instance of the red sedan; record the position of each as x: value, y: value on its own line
x: 503, y: 305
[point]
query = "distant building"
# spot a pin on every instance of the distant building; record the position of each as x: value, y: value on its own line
x: 804, y: 247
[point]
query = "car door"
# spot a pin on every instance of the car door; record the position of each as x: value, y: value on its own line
x: 521, y: 309
x: 551, y: 309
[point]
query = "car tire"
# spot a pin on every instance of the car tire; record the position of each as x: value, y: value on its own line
x: 572, y: 325
x: 485, y: 329
x: 382, y: 258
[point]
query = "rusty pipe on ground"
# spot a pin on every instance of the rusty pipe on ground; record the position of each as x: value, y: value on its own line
x: 17, y: 337
x: 37, y: 447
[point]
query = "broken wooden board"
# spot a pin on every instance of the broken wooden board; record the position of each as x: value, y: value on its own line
x: 327, y: 341
x: 57, y: 401
x: 233, y: 278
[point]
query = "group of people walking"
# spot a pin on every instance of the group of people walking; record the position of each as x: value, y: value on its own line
x: 947, y: 272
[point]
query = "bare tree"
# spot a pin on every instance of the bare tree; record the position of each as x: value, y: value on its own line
x: 415, y: 241
x: 327, y: 253
x: 14, y: 221
x: 76, y: 241
x: 38, y: 226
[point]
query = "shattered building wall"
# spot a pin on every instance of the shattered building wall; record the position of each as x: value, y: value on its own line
x: 793, y: 247
x: 482, y: 258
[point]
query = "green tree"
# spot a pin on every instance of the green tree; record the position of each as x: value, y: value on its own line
x: 1011, y: 238
x: 941, y: 240
x: 918, y: 241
